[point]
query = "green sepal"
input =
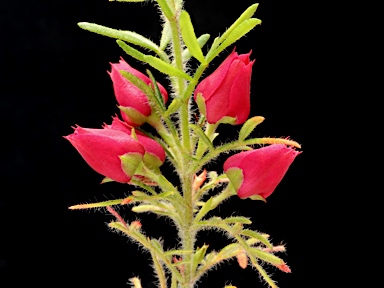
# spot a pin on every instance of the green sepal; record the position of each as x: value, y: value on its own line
x: 257, y: 197
x: 152, y: 161
x: 106, y: 180
x: 228, y: 120
x: 249, y: 126
x: 258, y: 236
x: 130, y: 162
x: 199, y: 256
x: 136, y: 81
x: 134, y: 115
x: 237, y: 219
x: 200, y: 101
x: 266, y: 256
x: 235, y: 176
x: 127, y: 36
x: 189, y: 37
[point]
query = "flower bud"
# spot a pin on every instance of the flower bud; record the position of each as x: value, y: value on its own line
x: 129, y: 96
x: 225, y: 94
x: 259, y: 171
x: 102, y: 149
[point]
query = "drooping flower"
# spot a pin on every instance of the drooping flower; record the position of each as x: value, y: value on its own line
x: 104, y: 149
x: 131, y: 97
x: 259, y: 171
x: 225, y: 94
x: 154, y: 153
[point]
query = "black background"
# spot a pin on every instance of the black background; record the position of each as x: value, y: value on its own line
x: 54, y: 75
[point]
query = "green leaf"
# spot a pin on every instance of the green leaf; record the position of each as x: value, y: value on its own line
x: 236, y: 34
x: 119, y: 226
x: 127, y: 36
x: 166, y: 35
x: 96, y: 205
x: 265, y: 256
x: 258, y: 236
x: 204, y: 210
x: 199, y: 256
x: 158, y: 96
x: 197, y: 129
x: 166, y: 9
x: 249, y: 126
x: 131, y: 51
x: 189, y: 37
x: 238, y: 219
x: 146, y: 208
x: 248, y: 13
x: 229, y: 251
x: 165, y: 68
x: 202, y: 40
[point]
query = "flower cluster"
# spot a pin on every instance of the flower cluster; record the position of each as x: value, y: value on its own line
x: 224, y: 96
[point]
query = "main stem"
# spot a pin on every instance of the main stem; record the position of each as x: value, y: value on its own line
x: 187, y: 233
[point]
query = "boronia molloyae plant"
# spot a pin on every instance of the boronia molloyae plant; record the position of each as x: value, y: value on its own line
x: 183, y: 138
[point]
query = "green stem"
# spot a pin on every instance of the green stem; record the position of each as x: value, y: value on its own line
x: 188, y: 233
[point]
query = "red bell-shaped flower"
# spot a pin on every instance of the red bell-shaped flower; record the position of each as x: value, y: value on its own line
x: 129, y: 96
x: 154, y: 153
x: 226, y: 92
x: 259, y: 171
x: 111, y: 153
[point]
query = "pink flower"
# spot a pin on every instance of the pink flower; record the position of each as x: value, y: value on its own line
x: 259, y: 171
x: 128, y: 95
x: 102, y: 148
x: 154, y: 152
x: 226, y: 92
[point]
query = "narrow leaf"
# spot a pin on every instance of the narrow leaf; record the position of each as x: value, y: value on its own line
x: 248, y: 13
x: 204, y: 210
x: 199, y: 256
x: 202, y: 40
x: 189, y: 37
x: 236, y: 34
x: 97, y: 205
x: 258, y: 236
x: 131, y: 51
x: 127, y: 36
x: 166, y: 35
x: 197, y: 129
x: 267, y: 257
x: 177, y: 252
x: 165, y: 68
x: 238, y: 219
x: 158, y: 96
